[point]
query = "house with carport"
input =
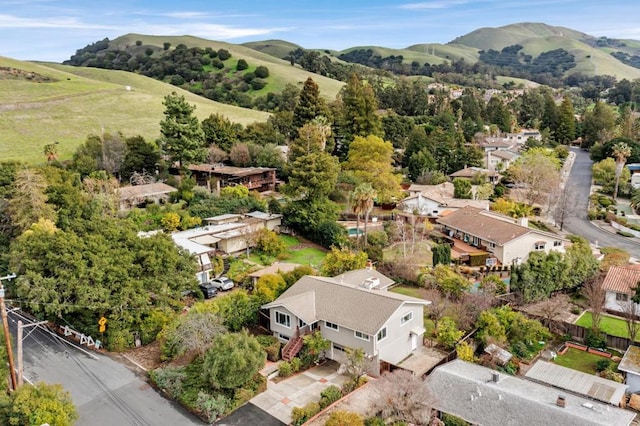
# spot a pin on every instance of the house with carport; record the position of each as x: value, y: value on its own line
x: 352, y: 310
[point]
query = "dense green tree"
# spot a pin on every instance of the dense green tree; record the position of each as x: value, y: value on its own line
x: 38, y: 405
x: 340, y: 260
x: 446, y: 280
x: 531, y: 108
x: 565, y: 132
x: 219, y: 130
x: 448, y: 333
x: 238, y: 309
x: 311, y: 138
x: 604, y: 173
x: 233, y: 360
x: 313, y: 176
x: 182, y: 135
x: 550, y: 113
x: 370, y: 159
x: 310, y: 105
x: 397, y: 129
x: 462, y: 188
x: 269, y: 287
x: 498, y: 113
x: 416, y: 142
x: 420, y: 163
x: 441, y: 254
x: 140, y: 157
x: 598, y: 124
x: 28, y: 203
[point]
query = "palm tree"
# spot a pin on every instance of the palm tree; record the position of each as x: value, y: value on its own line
x: 51, y: 151
x: 621, y: 151
x: 362, y: 199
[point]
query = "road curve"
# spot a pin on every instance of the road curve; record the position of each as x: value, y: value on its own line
x: 580, y: 178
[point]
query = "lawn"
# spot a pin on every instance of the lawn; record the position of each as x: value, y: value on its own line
x: 579, y: 360
x: 610, y: 325
x: 304, y: 256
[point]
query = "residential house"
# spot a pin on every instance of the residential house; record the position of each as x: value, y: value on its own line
x: 634, y: 168
x: 215, y: 177
x: 482, y: 396
x: 276, y: 268
x: 508, y: 240
x: 500, y: 160
x: 352, y: 310
x: 436, y: 200
x: 619, y: 286
x: 587, y: 385
x: 135, y: 195
x: 469, y: 173
x: 630, y: 365
x: 224, y: 235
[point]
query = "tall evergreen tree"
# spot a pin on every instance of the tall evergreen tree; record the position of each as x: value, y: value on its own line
x: 566, y: 130
x: 182, y: 135
x: 550, y: 113
x: 310, y: 105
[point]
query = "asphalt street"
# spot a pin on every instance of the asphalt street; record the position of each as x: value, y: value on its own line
x: 578, y: 223
x: 105, y: 392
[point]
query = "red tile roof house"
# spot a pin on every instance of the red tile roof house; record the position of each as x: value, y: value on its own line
x: 619, y: 286
x: 509, y: 240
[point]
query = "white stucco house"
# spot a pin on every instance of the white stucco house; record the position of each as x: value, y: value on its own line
x: 352, y: 310
x: 619, y: 286
x: 507, y: 239
x: 436, y: 200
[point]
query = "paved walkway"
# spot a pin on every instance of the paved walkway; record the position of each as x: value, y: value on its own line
x: 280, y: 398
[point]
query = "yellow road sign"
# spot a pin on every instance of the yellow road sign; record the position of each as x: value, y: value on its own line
x: 102, y: 328
x: 102, y: 321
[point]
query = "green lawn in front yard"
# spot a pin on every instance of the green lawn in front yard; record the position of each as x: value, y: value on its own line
x: 579, y: 360
x: 304, y: 256
x: 610, y: 325
x: 408, y: 291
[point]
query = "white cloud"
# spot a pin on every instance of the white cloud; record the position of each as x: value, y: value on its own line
x: 10, y: 21
x: 438, y: 4
x: 201, y: 29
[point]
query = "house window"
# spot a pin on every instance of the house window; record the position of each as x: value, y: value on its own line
x: 405, y: 319
x: 382, y: 334
x: 301, y: 323
x: 557, y: 243
x: 361, y: 335
x: 331, y: 325
x: 283, y: 337
x: 621, y: 297
x: 540, y: 245
x: 283, y: 319
x: 491, y: 245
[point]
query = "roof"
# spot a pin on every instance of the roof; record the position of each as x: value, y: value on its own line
x: 469, y: 172
x: 147, y: 190
x: 488, y: 227
x: 467, y: 391
x: 497, y: 352
x: 359, y: 276
x: 263, y: 216
x: 631, y: 360
x: 347, y: 305
x: 228, y: 170
x: 443, y: 194
x: 621, y: 279
x: 576, y: 381
x: 505, y: 155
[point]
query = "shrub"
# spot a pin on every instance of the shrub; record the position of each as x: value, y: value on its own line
x: 602, y: 364
x: 520, y: 349
x: 344, y: 418
x: 211, y: 406
x: 285, y: 369
x: 242, y: 65
x: 595, y: 340
x: 451, y: 420
x: 374, y: 421
x: 223, y: 54
x: 169, y: 379
x: 258, y: 83
x: 329, y: 396
x: 612, y: 375
x: 271, y: 346
x: 138, y: 42
x: 296, y: 363
x: 299, y: 415
x: 262, y: 71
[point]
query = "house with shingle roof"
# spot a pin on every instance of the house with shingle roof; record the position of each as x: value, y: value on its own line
x: 619, y: 286
x: 507, y: 240
x: 436, y: 200
x: 135, y: 195
x: 352, y: 310
x: 482, y: 396
x: 469, y: 173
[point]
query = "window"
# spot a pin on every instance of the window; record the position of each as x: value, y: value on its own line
x: 621, y: 297
x: 382, y: 334
x: 331, y: 325
x: 405, y: 319
x: 540, y: 245
x: 362, y: 336
x: 283, y: 337
x: 339, y: 348
x: 557, y: 243
x: 283, y: 319
x: 301, y: 323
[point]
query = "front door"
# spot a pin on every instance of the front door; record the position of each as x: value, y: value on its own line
x: 414, y: 342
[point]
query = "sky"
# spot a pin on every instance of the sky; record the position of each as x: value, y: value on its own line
x: 52, y: 30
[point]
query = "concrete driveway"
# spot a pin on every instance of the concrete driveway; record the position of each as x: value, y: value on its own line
x: 280, y: 398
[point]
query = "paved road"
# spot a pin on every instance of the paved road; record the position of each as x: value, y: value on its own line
x: 580, y: 178
x: 105, y: 392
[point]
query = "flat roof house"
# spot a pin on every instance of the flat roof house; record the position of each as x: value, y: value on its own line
x: 135, y: 195
x: 351, y: 310
x: 214, y: 177
x: 509, y: 241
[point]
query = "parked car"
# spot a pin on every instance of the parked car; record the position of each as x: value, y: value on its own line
x: 222, y: 283
x: 208, y: 290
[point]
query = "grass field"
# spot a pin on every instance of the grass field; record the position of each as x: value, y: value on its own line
x: 82, y: 101
x: 610, y: 325
x: 303, y: 256
x: 579, y: 360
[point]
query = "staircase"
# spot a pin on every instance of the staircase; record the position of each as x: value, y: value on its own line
x: 294, y: 344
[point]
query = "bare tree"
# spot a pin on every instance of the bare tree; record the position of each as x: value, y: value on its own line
x: 402, y: 396
x: 565, y: 204
x: 630, y: 313
x: 550, y: 309
x: 248, y: 234
x: 594, y: 293
x: 194, y: 331
x: 438, y: 307
x: 143, y: 178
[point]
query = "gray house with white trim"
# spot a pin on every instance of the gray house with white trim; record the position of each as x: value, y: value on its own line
x: 351, y: 311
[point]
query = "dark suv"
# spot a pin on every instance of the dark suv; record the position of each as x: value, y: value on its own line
x: 208, y: 290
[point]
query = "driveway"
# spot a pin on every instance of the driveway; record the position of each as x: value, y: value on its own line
x: 280, y: 398
x: 580, y: 178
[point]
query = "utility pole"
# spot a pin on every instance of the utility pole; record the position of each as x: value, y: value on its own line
x: 21, y: 327
x: 7, y: 336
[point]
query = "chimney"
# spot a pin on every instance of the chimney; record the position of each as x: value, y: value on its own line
x: 495, y: 376
x: 560, y: 402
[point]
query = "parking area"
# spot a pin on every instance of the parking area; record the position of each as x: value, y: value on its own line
x: 280, y: 398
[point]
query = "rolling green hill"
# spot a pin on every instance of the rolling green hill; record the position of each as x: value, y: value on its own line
x: 281, y: 72
x: 275, y: 48
x: 42, y: 102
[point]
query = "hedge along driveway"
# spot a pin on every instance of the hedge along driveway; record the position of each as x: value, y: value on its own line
x: 610, y: 325
x: 297, y: 391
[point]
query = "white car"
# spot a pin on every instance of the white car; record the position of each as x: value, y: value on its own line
x: 222, y: 283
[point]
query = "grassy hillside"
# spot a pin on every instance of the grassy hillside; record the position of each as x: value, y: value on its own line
x: 275, y: 48
x: 280, y: 71
x: 78, y: 101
